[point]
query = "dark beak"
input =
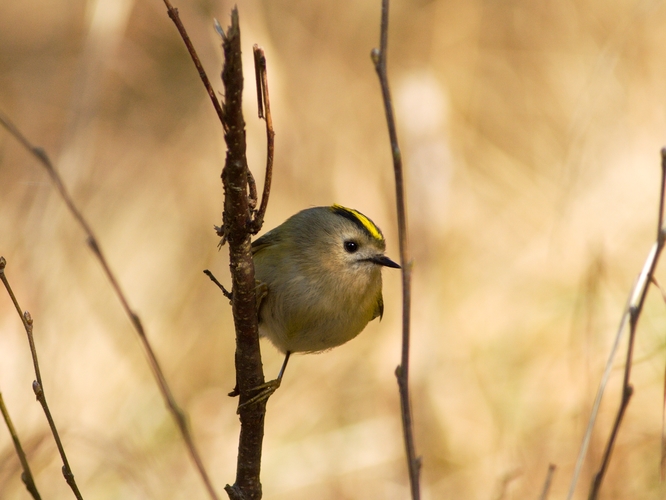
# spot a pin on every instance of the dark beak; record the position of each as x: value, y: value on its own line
x: 383, y: 260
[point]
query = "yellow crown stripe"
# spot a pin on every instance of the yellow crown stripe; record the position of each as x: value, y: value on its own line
x: 362, y: 219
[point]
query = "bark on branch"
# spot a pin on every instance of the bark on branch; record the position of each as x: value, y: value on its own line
x: 237, y: 230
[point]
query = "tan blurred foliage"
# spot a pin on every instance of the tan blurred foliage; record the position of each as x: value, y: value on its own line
x: 530, y: 133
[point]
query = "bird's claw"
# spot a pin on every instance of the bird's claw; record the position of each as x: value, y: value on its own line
x: 266, y: 390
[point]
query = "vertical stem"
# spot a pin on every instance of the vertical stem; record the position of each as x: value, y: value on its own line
x: 37, y: 384
x: 237, y: 223
x: 27, y: 477
x: 402, y: 371
x: 635, y: 308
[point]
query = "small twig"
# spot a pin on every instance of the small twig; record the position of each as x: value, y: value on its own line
x: 627, y: 392
x: 26, y: 477
x: 264, y: 107
x: 546, y: 484
x: 662, y: 462
x: 37, y: 385
x: 225, y: 292
x: 402, y: 371
x: 259, y: 70
x: 176, y: 412
x: 631, y: 316
x: 175, y: 17
x: 662, y: 194
x: 602, y: 385
x: 659, y: 287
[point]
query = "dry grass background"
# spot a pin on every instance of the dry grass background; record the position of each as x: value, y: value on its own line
x: 531, y: 135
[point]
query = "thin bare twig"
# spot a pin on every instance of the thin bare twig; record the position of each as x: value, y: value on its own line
x: 402, y: 371
x: 630, y: 316
x: 635, y: 310
x: 174, y: 409
x: 547, y: 483
x: 26, y: 477
x: 175, y: 17
x: 225, y: 292
x: 264, y: 107
x: 659, y: 287
x: 602, y: 385
x: 38, y: 387
x: 662, y: 461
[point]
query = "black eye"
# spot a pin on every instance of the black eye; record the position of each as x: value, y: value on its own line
x: 351, y: 246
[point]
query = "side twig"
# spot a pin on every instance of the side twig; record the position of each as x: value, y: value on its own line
x: 26, y: 477
x: 630, y: 316
x: 38, y: 387
x: 547, y: 483
x: 402, y: 371
x: 174, y: 409
x: 175, y: 17
x: 225, y: 292
x: 237, y: 228
x: 264, y: 106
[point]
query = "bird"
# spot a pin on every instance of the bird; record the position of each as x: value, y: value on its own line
x: 319, y: 281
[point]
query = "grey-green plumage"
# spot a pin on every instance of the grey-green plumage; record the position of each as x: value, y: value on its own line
x: 321, y: 274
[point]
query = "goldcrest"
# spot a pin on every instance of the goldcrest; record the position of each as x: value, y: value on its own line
x: 319, y: 279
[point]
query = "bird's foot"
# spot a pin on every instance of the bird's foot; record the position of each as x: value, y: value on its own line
x: 266, y: 390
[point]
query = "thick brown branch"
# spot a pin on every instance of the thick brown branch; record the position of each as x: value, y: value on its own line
x: 237, y: 222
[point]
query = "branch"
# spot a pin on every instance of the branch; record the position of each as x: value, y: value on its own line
x: 635, y: 309
x: 225, y: 292
x: 402, y: 371
x: 38, y: 388
x: 175, y: 17
x: 264, y: 106
x: 630, y: 316
x: 547, y: 483
x: 26, y: 477
x: 240, y: 221
x: 237, y: 228
x: 177, y: 414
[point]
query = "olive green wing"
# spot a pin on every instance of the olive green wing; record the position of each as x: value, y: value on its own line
x: 267, y: 240
x: 379, y: 308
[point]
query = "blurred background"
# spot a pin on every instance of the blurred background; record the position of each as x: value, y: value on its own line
x: 530, y: 133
